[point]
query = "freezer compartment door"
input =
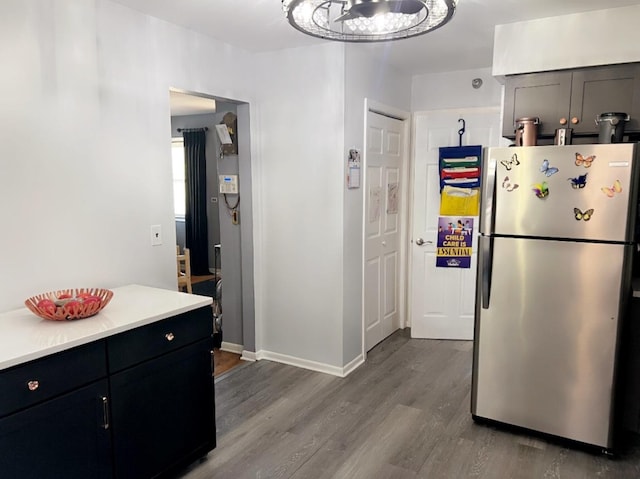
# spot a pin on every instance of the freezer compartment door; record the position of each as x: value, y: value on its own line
x: 578, y: 191
x: 545, y: 347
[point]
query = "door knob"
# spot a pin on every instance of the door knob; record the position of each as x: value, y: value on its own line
x: 419, y: 241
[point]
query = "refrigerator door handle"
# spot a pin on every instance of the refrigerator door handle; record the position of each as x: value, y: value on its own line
x: 488, y: 196
x: 487, y: 266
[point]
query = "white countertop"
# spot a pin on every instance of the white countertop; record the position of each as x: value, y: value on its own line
x: 24, y: 336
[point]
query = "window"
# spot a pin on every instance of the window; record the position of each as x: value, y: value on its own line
x: 179, y: 192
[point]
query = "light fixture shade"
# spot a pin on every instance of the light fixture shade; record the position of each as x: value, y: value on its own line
x: 368, y: 20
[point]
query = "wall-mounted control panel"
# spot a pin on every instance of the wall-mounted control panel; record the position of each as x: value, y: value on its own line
x: 228, y: 184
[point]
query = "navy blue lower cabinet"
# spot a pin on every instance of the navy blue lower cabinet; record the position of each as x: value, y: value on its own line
x: 163, y: 413
x: 66, y: 437
x: 138, y: 404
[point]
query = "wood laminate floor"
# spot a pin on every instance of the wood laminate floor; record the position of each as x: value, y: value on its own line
x: 224, y: 362
x: 403, y: 414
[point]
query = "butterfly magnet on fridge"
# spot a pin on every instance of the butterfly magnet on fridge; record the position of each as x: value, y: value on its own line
x: 507, y: 185
x: 548, y: 170
x: 583, y: 215
x: 582, y: 161
x: 610, y: 192
x: 508, y: 164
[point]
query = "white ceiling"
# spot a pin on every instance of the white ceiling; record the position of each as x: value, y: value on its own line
x: 465, y: 43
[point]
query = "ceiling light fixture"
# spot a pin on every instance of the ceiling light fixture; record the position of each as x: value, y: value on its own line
x: 368, y: 20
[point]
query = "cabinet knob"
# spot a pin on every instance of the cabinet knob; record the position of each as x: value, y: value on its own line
x: 169, y: 336
x: 575, y: 120
x: 563, y: 121
x: 33, y: 385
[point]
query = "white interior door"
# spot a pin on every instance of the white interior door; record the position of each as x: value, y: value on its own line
x: 442, y: 299
x: 383, y: 251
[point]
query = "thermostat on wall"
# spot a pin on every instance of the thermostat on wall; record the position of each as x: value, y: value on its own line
x: 228, y: 184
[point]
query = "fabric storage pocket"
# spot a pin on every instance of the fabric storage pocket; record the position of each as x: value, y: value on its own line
x: 456, y: 201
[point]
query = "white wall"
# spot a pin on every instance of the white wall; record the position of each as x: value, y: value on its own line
x: 365, y: 77
x: 441, y: 91
x: 583, y: 39
x: 85, y: 133
x: 300, y: 137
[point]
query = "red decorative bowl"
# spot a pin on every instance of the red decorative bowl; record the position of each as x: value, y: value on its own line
x: 66, y: 304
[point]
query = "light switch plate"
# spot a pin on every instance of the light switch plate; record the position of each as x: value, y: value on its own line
x: 156, y: 235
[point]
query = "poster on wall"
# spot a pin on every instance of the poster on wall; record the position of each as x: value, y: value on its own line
x: 454, y: 242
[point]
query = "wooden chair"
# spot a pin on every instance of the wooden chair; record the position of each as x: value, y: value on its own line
x: 184, y: 269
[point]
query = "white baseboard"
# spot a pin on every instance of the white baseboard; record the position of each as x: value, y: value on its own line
x: 352, y: 365
x: 311, y: 365
x: 248, y: 356
x: 231, y: 347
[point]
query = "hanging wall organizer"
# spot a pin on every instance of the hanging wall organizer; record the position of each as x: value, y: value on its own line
x: 460, y: 180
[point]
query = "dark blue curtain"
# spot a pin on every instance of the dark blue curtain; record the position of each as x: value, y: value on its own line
x: 196, y: 200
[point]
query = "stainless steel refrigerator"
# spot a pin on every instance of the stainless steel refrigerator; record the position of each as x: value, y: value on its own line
x: 554, y: 277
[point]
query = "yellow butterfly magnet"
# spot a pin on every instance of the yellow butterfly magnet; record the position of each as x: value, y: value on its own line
x: 610, y: 192
x: 586, y: 215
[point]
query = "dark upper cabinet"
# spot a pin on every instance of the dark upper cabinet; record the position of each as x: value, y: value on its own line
x: 601, y: 90
x: 573, y: 98
x: 542, y: 95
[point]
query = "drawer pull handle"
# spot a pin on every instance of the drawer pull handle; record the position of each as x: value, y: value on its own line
x: 33, y: 385
x: 169, y: 336
x: 105, y: 412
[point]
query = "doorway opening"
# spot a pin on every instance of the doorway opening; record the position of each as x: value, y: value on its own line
x: 227, y: 228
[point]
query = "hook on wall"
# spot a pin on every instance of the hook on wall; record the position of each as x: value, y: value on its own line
x: 461, y: 130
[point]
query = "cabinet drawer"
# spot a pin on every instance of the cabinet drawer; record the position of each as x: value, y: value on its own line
x: 140, y: 344
x: 42, y: 379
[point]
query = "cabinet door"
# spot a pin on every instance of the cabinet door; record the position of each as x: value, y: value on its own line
x: 542, y: 95
x: 163, y: 412
x: 63, y: 437
x: 601, y: 90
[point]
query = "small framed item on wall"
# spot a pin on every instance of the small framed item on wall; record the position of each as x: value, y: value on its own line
x: 353, y: 169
